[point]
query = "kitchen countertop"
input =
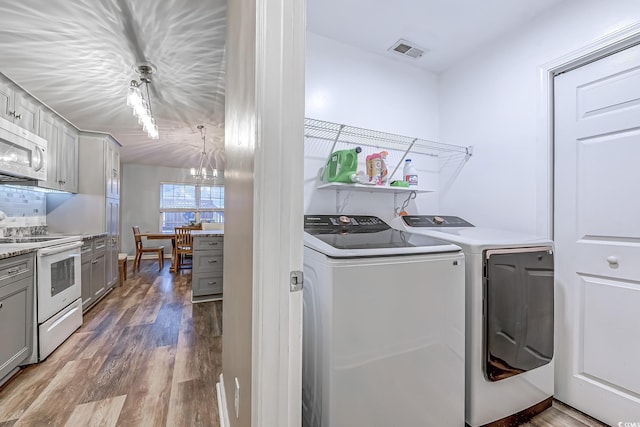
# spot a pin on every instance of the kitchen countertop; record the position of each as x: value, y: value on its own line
x: 207, y: 233
x: 93, y: 235
x: 8, y: 250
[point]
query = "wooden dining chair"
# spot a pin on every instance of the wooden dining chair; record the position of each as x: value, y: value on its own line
x: 140, y: 249
x: 184, y: 246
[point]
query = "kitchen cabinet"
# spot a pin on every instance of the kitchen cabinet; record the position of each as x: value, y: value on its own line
x: 67, y: 161
x: 93, y: 267
x: 112, y: 171
x: 50, y: 129
x: 96, y: 206
x: 62, y: 153
x: 113, y: 232
x: 16, y: 309
x: 207, y: 269
x: 18, y: 106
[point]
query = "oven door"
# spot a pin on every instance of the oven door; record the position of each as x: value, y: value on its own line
x: 58, y: 278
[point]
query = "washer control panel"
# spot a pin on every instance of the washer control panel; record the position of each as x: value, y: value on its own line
x: 435, y: 221
x: 353, y: 224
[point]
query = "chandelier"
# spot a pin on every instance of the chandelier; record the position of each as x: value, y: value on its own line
x: 205, y: 171
x: 141, y: 106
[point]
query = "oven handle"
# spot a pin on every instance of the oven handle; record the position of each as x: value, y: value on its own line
x: 58, y: 249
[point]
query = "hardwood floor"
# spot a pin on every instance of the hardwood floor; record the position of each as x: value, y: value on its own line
x: 145, y: 356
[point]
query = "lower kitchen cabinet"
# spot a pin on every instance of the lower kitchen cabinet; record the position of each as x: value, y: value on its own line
x: 94, y: 273
x: 16, y: 311
x: 207, y: 270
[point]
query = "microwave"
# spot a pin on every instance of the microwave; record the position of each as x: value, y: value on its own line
x: 22, y: 153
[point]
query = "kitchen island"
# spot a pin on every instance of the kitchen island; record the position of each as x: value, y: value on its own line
x: 208, y: 257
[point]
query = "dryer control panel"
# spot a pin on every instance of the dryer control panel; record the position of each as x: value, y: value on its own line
x: 435, y: 221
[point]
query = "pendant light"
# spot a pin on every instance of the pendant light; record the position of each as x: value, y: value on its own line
x: 205, y: 171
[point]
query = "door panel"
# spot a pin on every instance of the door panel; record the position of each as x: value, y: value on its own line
x: 603, y: 207
x: 597, y: 236
x: 607, y: 304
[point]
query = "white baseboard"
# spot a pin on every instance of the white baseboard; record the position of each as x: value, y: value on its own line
x: 223, y: 412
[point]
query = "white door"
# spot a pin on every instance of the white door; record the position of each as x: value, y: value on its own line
x: 597, y: 235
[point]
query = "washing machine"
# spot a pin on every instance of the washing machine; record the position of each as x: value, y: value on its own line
x: 509, y: 323
x: 383, y: 326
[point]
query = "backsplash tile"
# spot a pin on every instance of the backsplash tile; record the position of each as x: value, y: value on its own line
x: 25, y: 210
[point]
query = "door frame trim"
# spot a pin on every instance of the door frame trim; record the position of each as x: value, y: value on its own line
x: 609, y: 44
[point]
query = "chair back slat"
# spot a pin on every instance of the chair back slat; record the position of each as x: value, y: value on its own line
x: 184, y: 238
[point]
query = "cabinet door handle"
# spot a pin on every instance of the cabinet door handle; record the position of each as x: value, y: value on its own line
x: 16, y: 115
x: 211, y: 283
x: 213, y: 244
x: 213, y: 261
x: 95, y: 261
x: 0, y: 306
x: 13, y: 271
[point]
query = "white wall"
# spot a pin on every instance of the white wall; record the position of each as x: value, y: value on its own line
x: 492, y: 100
x: 350, y: 86
x: 140, y: 200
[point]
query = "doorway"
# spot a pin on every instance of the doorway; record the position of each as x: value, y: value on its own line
x: 597, y: 235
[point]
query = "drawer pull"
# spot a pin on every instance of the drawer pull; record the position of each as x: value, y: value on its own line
x: 13, y: 271
x: 211, y: 283
x: 95, y: 261
x: 213, y: 261
x: 213, y: 244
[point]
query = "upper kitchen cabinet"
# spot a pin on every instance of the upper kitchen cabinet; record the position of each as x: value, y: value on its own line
x: 112, y: 170
x: 62, y: 152
x: 68, y: 159
x: 99, y: 164
x: 18, y: 106
x: 50, y: 128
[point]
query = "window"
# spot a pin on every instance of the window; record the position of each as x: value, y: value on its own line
x: 183, y: 204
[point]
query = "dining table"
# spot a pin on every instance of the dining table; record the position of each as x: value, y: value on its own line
x: 168, y: 235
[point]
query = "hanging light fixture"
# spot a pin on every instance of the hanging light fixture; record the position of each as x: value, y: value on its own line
x: 205, y: 171
x: 141, y: 106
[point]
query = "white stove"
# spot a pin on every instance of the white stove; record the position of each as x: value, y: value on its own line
x: 57, y: 297
x: 39, y: 241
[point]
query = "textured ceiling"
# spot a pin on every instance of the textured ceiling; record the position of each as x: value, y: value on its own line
x: 78, y: 57
x: 448, y: 29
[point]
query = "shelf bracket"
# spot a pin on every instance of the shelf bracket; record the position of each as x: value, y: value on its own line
x: 335, y: 141
x: 402, y: 159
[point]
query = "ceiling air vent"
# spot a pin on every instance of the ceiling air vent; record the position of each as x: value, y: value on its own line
x: 406, y: 48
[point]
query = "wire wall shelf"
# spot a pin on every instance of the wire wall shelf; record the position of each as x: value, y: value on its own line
x: 338, y: 133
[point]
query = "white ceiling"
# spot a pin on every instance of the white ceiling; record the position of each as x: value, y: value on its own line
x: 448, y: 29
x: 79, y: 56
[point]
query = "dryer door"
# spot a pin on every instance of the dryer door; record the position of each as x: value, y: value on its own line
x: 518, y: 322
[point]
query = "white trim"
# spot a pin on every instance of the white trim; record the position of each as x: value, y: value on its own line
x: 276, y: 384
x: 607, y: 45
x: 223, y: 411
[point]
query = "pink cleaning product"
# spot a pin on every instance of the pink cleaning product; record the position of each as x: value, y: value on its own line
x: 376, y: 167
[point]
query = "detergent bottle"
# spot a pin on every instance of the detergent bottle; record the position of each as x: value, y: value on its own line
x: 376, y: 167
x: 342, y: 165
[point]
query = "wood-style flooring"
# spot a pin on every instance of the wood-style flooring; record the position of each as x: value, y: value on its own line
x: 145, y: 356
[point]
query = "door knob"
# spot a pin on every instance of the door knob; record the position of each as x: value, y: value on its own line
x: 612, y: 260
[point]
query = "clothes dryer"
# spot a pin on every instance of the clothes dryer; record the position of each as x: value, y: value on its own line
x: 509, y: 317
x: 383, y: 326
